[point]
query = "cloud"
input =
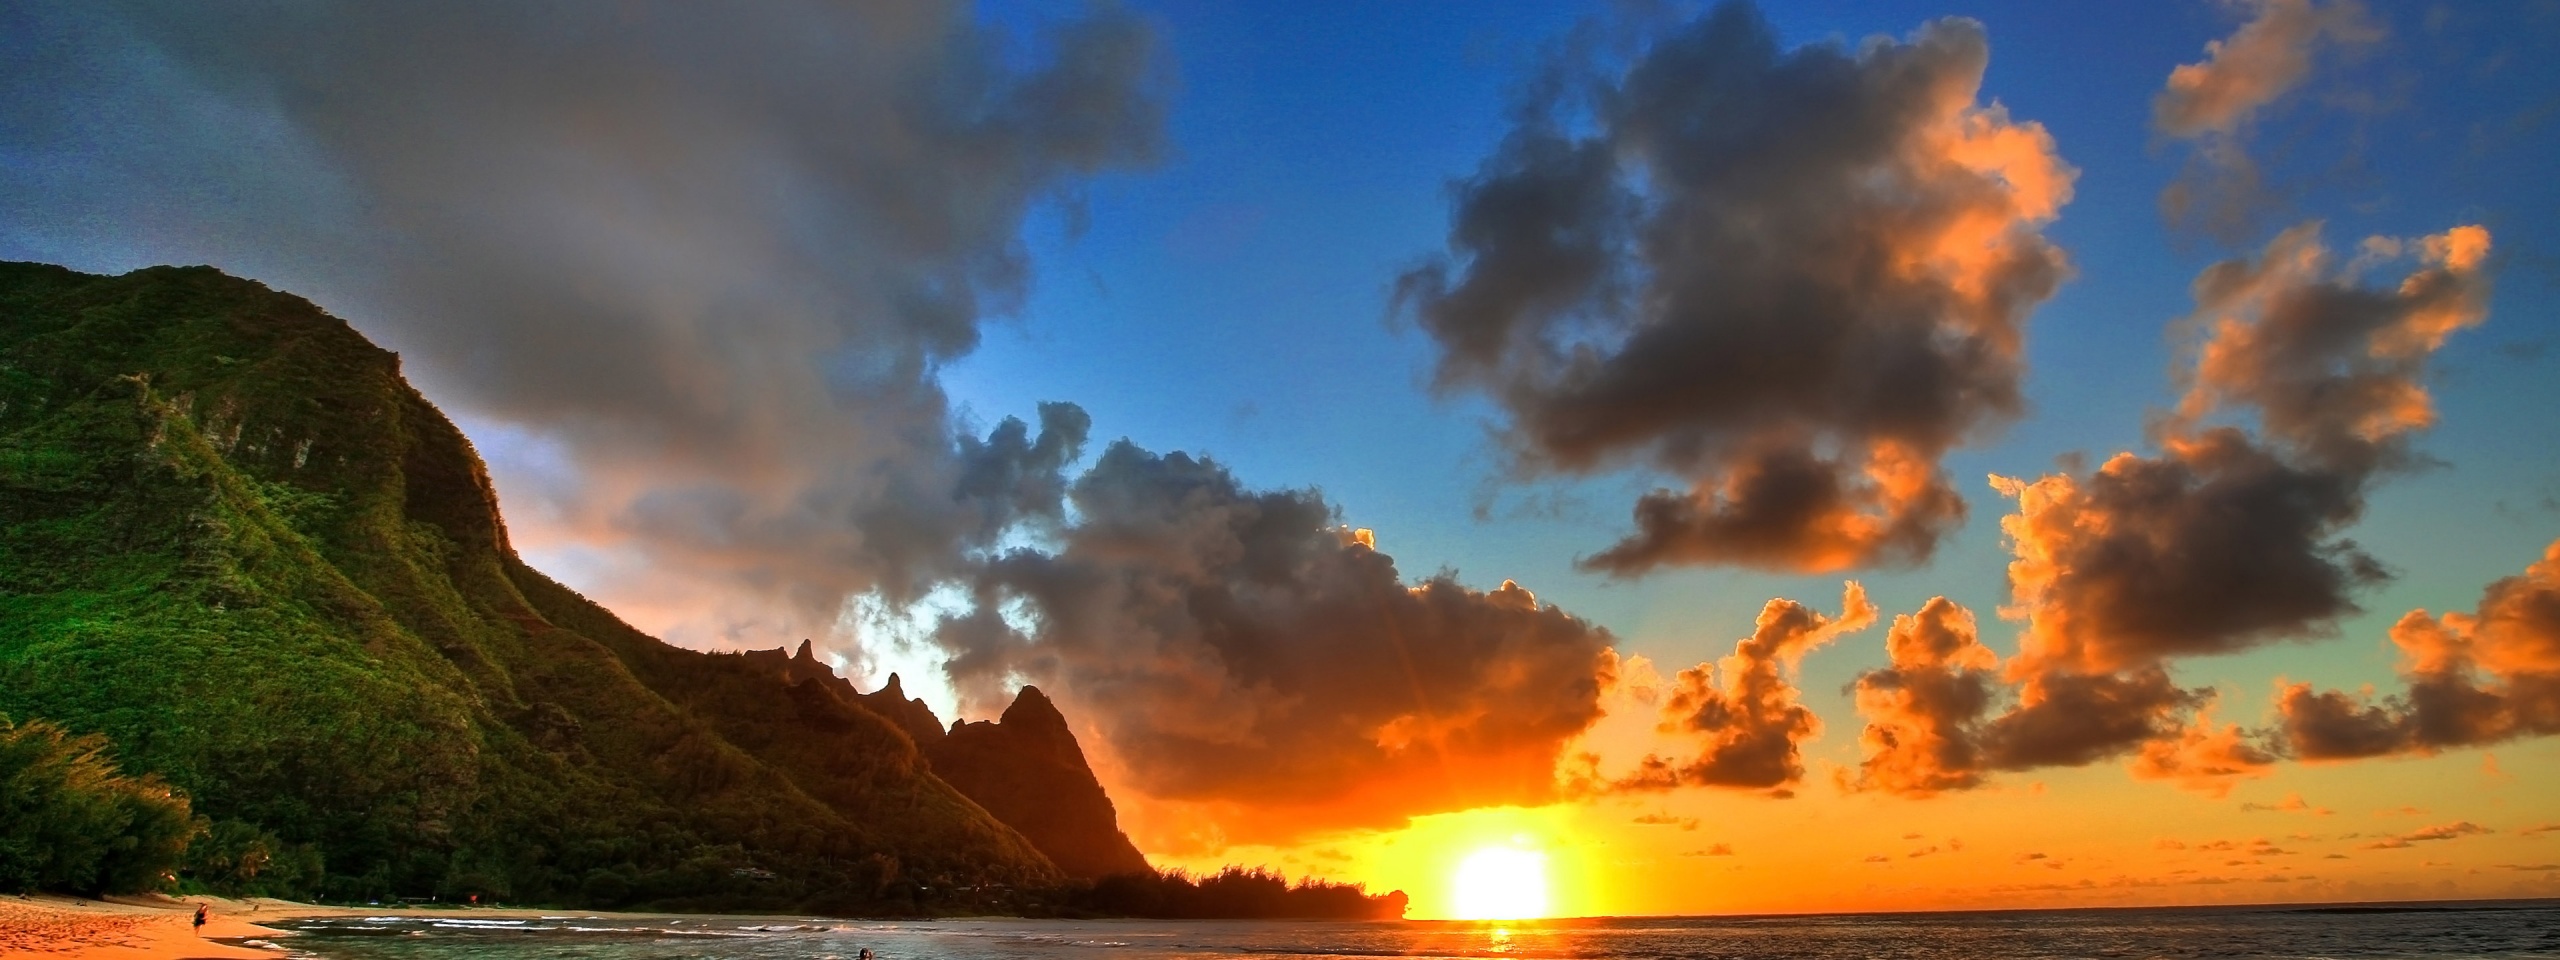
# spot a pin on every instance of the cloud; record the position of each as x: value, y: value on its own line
x: 2292, y: 803
x: 2449, y: 831
x: 2212, y: 103
x: 1923, y: 711
x: 1747, y: 718
x: 2263, y: 60
x: 2471, y: 679
x: 1240, y: 651
x: 1792, y: 279
x: 1719, y: 850
x: 2203, y: 757
x: 2227, y: 539
x: 2071, y: 720
x: 1667, y: 820
x: 688, y: 274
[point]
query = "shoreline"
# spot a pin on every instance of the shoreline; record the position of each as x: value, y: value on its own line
x: 158, y: 926
x: 149, y: 927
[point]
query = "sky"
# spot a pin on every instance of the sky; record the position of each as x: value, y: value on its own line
x: 1823, y: 456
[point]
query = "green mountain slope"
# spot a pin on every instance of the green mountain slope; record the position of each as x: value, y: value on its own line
x: 235, y: 541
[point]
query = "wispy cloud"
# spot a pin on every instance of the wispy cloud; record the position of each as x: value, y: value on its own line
x: 2210, y: 104
x: 2292, y: 803
x: 2449, y: 831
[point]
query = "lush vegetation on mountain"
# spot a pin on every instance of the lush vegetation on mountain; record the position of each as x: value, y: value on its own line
x: 234, y: 541
x: 241, y: 555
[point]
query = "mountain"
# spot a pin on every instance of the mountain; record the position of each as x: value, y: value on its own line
x: 1026, y: 767
x: 235, y: 541
x: 1027, y: 770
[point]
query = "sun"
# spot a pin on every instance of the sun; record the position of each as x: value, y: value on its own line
x: 1501, y: 883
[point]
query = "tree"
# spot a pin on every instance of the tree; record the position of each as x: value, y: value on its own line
x: 69, y: 821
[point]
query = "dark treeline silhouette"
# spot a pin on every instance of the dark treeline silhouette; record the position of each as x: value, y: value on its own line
x: 1236, y: 893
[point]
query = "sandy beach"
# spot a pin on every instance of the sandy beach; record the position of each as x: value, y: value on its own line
x: 155, y: 927
x: 132, y: 928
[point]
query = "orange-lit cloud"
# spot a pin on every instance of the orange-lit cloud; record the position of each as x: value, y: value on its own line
x: 2226, y: 540
x: 2472, y: 678
x: 2292, y: 803
x: 2223, y: 540
x: 1743, y: 712
x: 2204, y: 757
x: 1791, y: 279
x: 1240, y: 652
x: 2449, y: 831
x: 2211, y: 104
x: 2264, y: 59
x: 1923, y: 711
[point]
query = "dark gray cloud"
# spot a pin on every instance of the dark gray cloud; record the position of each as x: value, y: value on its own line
x: 694, y: 269
x: 2483, y: 677
x: 1241, y: 651
x: 1793, y: 279
x: 2228, y: 538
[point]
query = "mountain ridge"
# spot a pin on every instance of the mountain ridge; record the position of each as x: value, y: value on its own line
x: 1026, y: 767
x: 241, y: 545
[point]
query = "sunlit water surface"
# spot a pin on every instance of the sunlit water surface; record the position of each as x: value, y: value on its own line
x: 2516, y: 931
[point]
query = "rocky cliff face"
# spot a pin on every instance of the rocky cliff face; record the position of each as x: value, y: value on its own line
x: 1026, y: 768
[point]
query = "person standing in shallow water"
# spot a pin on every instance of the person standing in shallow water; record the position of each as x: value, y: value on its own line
x: 201, y: 910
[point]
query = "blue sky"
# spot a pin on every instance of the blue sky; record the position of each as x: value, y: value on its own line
x: 691, y: 284
x: 1234, y: 301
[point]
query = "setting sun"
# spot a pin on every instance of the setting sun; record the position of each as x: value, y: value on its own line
x: 1502, y: 883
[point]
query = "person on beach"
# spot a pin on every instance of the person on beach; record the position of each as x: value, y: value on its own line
x: 866, y: 954
x: 201, y: 910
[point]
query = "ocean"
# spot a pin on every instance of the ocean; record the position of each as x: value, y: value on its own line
x: 2507, y: 930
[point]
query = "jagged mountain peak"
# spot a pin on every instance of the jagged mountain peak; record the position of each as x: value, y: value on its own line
x: 1027, y: 768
